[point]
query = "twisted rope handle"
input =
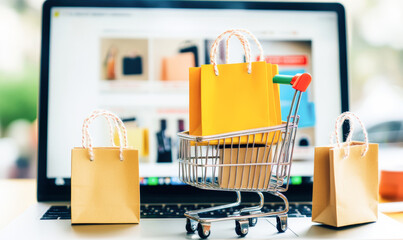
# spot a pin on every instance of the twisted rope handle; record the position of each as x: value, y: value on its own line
x: 213, y: 51
x: 339, y: 122
x: 112, y: 126
x: 245, y: 44
x: 117, y: 123
x: 87, y: 140
x: 261, y: 55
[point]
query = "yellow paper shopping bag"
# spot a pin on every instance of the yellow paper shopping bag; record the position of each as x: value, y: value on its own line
x: 276, y: 91
x: 231, y: 97
x: 345, y: 185
x: 104, y: 180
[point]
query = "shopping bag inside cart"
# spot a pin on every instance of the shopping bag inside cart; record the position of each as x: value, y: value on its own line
x: 237, y: 141
x: 232, y: 97
x: 245, y: 167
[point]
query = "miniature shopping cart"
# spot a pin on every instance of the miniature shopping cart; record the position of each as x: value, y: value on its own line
x: 255, y: 160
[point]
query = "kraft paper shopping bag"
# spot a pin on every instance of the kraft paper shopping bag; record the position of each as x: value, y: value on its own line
x: 345, y: 188
x: 231, y: 97
x: 105, y: 180
x: 239, y: 176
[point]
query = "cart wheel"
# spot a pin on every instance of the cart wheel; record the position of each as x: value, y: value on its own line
x: 281, y: 223
x: 252, y: 222
x: 242, y: 227
x: 191, y: 226
x: 203, y: 230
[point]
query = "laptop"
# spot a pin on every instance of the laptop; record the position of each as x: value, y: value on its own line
x: 122, y: 56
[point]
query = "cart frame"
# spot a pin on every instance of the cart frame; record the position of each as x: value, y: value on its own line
x: 201, y: 165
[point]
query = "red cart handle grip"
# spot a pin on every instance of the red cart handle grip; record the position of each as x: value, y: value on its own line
x: 299, y: 82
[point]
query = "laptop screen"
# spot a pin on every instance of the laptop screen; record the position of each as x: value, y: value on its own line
x: 134, y: 62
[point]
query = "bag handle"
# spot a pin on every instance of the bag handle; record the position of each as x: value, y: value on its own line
x: 112, y: 125
x: 237, y: 32
x: 213, y: 52
x: 245, y: 44
x: 214, y: 48
x: 114, y: 122
x: 339, y: 122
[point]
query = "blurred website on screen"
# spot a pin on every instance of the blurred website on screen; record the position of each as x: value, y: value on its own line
x: 135, y: 63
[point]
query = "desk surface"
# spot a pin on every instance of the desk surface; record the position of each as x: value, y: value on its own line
x: 15, y: 197
x: 18, y: 195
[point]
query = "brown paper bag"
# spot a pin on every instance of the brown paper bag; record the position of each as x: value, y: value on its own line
x: 247, y: 176
x: 345, y: 189
x: 105, y: 180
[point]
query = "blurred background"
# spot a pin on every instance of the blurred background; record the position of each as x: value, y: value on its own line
x: 376, y: 78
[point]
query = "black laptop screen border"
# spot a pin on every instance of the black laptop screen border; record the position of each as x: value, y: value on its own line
x: 47, y: 190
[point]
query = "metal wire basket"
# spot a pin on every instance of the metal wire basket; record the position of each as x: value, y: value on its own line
x: 256, y: 160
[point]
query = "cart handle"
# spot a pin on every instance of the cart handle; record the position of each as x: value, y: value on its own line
x: 299, y: 82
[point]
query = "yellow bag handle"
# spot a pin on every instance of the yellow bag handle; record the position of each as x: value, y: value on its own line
x: 114, y: 122
x: 246, y: 46
x: 237, y: 31
x: 245, y: 43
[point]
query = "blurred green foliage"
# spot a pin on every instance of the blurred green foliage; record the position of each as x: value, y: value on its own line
x: 19, y: 95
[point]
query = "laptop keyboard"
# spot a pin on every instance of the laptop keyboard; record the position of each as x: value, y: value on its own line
x: 57, y: 212
x: 177, y: 211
